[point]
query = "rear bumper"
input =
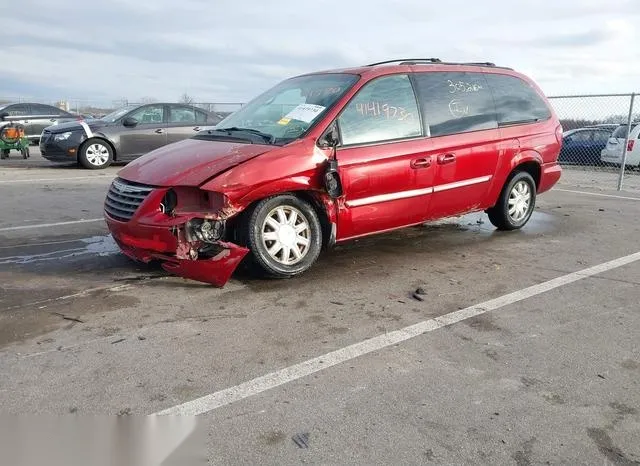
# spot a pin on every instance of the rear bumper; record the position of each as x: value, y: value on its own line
x: 146, y: 243
x: 550, y: 174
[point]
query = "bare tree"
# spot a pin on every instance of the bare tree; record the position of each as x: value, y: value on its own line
x: 148, y: 100
x: 186, y: 99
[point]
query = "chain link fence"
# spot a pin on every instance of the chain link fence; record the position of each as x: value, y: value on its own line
x: 601, y: 132
x: 600, y: 147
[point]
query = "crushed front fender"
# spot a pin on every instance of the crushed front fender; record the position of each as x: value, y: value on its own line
x: 216, y: 270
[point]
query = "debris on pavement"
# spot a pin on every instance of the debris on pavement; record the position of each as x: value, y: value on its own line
x: 73, y: 319
x: 301, y: 440
x: 118, y: 341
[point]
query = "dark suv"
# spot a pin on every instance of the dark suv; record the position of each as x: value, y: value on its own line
x: 35, y: 117
x: 124, y: 134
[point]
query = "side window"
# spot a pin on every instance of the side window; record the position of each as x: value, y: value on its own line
x: 601, y: 136
x: 181, y: 115
x: 384, y: 109
x: 149, y: 114
x: 455, y: 102
x: 18, y: 110
x: 201, y: 117
x: 42, y: 110
x: 581, y: 136
x: 516, y: 101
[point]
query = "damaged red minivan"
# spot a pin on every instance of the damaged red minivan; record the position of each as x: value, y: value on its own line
x: 330, y: 156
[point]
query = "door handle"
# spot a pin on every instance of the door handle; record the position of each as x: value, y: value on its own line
x: 446, y: 158
x: 197, y: 128
x: 159, y: 131
x: 421, y: 163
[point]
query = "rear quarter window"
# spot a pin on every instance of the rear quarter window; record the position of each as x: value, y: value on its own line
x: 454, y: 102
x: 516, y: 100
x: 621, y: 132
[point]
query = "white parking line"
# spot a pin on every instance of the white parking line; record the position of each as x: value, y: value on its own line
x: 598, y: 194
x: 49, y: 180
x: 47, y: 225
x: 275, y: 379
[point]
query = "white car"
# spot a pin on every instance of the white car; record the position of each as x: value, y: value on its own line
x: 612, y: 153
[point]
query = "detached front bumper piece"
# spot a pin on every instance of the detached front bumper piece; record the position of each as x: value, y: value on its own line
x: 153, y: 243
x: 216, y: 270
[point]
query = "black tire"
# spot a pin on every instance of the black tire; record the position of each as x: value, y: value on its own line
x: 250, y: 233
x: 499, y: 214
x: 88, y: 148
x: 4, y: 154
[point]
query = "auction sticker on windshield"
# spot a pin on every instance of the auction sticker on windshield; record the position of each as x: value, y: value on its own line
x: 304, y: 112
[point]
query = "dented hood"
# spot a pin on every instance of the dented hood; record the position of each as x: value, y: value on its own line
x: 190, y: 162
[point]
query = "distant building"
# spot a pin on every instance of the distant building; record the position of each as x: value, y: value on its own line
x: 63, y: 105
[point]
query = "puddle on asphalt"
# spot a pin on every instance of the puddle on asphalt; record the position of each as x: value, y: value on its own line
x: 93, y: 246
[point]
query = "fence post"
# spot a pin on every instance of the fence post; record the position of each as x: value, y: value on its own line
x: 626, y: 143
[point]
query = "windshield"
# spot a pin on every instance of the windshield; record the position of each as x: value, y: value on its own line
x: 113, y: 116
x: 287, y: 110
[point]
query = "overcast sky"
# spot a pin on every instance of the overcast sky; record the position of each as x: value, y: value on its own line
x: 224, y: 50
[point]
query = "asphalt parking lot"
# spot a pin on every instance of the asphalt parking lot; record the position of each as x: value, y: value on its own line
x: 510, y: 358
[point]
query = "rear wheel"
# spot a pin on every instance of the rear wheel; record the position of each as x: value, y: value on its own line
x: 95, y: 154
x: 283, y: 234
x: 515, y: 204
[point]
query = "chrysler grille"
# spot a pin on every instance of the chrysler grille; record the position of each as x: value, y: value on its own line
x: 124, y: 198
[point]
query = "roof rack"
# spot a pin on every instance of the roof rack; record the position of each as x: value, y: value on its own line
x: 415, y: 61
x: 407, y: 61
x: 481, y: 63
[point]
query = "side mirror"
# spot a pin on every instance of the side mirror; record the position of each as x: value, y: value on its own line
x: 332, y: 181
x: 330, y: 138
x: 3, y: 115
x: 129, y: 122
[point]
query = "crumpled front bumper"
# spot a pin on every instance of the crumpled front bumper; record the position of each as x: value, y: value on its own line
x: 146, y: 243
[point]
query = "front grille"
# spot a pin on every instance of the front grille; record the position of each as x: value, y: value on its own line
x: 124, y: 198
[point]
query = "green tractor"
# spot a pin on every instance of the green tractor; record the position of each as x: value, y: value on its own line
x: 12, y: 137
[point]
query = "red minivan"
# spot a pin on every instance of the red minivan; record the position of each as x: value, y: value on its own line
x: 330, y: 156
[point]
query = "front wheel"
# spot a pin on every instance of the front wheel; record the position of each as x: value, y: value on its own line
x: 515, y: 204
x: 283, y: 234
x: 95, y: 154
x: 4, y: 154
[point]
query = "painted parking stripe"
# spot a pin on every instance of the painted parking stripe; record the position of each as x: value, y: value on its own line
x: 275, y: 379
x: 597, y: 194
x: 48, y: 225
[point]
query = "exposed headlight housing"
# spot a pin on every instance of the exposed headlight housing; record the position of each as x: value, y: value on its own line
x: 62, y: 136
x: 169, y: 202
x: 207, y: 231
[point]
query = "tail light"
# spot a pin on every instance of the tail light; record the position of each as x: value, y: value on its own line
x: 630, y: 145
x: 559, y: 131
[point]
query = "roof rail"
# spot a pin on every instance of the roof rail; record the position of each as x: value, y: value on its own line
x: 406, y: 61
x: 415, y: 61
x: 481, y: 63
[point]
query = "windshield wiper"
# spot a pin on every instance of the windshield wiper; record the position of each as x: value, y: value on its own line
x: 267, y: 137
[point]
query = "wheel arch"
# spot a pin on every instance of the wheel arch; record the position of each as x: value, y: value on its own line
x: 529, y: 161
x: 101, y: 138
x: 321, y: 203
